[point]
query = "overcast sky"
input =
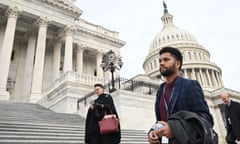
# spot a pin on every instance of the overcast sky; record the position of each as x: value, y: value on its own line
x: 214, y: 23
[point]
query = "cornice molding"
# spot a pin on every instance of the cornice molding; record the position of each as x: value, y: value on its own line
x: 64, y: 5
x: 101, y: 36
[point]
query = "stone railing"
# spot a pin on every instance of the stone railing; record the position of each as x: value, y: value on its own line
x: 136, y: 86
x: 74, y: 77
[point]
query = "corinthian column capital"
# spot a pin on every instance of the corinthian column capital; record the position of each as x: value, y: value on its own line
x: 82, y: 45
x: 68, y: 30
x: 42, y: 21
x: 56, y: 40
x: 12, y: 12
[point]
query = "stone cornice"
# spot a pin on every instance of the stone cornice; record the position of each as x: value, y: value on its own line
x: 101, y: 36
x: 201, y: 64
x: 64, y: 5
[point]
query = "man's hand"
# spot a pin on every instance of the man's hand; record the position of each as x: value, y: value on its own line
x: 91, y: 106
x: 165, y: 131
x: 153, y: 138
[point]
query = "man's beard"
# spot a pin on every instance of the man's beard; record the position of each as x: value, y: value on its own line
x: 166, y: 73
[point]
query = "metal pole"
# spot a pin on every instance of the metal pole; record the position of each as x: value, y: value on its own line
x: 112, y: 72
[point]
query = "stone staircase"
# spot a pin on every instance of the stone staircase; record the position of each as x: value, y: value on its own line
x: 25, y: 123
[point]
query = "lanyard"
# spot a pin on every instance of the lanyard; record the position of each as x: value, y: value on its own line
x: 167, y: 106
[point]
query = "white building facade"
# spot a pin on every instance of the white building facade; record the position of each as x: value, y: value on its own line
x: 50, y: 56
x: 43, y: 40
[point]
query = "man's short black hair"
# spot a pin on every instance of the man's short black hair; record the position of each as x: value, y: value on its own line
x: 173, y: 51
x: 99, y: 85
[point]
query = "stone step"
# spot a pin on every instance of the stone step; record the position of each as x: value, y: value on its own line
x: 23, y: 123
x: 39, y: 142
x: 38, y: 125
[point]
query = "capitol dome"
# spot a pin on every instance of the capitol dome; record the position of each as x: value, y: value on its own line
x: 170, y: 34
x: 196, y: 59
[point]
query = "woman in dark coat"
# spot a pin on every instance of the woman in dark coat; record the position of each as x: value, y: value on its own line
x: 95, y: 113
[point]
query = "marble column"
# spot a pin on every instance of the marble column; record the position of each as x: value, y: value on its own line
x: 214, y: 78
x: 2, y: 30
x: 202, y: 77
x: 68, y: 55
x: 209, y: 78
x: 198, y: 77
x: 80, y: 50
x: 37, y: 82
x: 28, y: 70
x: 98, y: 64
x: 56, y: 59
x: 17, y: 89
x: 193, y: 74
x: 6, y: 50
x: 220, y: 78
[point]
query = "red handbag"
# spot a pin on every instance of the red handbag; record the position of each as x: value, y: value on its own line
x: 109, y: 124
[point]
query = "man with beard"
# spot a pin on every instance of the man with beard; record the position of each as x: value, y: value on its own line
x: 175, y: 95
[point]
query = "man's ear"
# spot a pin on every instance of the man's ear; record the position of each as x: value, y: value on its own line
x: 178, y: 63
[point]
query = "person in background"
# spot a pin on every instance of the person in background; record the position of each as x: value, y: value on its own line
x: 104, y: 103
x: 232, y: 115
x: 175, y: 95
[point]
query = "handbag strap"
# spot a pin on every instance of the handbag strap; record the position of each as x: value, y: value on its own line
x: 109, y: 109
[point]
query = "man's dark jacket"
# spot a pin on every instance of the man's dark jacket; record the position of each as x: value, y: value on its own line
x: 187, y: 96
x: 92, y: 132
x: 233, y: 111
x: 189, y: 128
